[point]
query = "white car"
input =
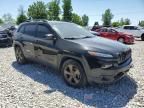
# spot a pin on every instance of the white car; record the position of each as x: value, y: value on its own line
x: 134, y: 30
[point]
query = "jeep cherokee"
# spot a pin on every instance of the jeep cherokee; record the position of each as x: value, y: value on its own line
x: 80, y: 56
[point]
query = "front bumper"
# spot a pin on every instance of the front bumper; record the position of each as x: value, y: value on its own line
x: 130, y: 41
x: 104, y: 76
x: 5, y: 41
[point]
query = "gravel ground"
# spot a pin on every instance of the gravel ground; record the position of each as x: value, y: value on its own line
x: 36, y: 86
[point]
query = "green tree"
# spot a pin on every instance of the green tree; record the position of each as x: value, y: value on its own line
x: 96, y: 23
x: 141, y: 23
x: 1, y: 21
x: 7, y: 18
x: 37, y: 10
x: 67, y: 10
x: 116, y: 24
x: 21, y: 17
x: 127, y: 21
x: 107, y: 17
x: 76, y: 19
x: 53, y: 10
x: 85, y: 20
x: 122, y: 22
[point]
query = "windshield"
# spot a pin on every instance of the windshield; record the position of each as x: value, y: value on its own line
x: 70, y: 30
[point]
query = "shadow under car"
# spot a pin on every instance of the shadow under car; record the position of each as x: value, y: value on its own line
x: 100, y: 96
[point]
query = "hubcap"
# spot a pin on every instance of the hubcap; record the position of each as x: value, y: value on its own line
x: 72, y: 74
x: 121, y: 40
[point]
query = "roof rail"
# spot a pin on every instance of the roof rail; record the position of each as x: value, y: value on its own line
x: 32, y: 20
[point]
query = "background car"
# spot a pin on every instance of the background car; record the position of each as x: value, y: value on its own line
x: 115, y: 35
x: 95, y: 33
x: 137, y: 32
x: 5, y: 39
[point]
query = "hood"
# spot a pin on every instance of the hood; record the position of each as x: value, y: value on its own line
x: 102, y: 45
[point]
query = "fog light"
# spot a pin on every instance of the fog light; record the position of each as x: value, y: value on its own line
x: 106, y: 66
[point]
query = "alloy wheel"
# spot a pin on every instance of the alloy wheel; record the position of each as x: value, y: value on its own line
x: 72, y: 74
x: 19, y: 55
x: 121, y: 40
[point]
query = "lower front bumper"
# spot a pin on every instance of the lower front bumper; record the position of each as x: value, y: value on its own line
x: 104, y: 76
x: 5, y: 42
x: 130, y: 41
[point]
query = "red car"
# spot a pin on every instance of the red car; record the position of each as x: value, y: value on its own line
x: 115, y: 35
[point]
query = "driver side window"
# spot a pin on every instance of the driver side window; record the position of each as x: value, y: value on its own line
x: 112, y: 31
x: 42, y: 31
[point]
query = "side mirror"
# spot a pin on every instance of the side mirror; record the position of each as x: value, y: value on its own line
x: 49, y: 36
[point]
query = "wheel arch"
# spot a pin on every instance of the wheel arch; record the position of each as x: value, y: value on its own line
x: 17, y: 44
x: 121, y: 37
x: 142, y: 37
x: 65, y: 58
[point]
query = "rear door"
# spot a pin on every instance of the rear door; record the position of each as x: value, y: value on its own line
x: 45, y: 50
x: 135, y: 31
x: 112, y: 34
x: 104, y: 33
x: 28, y: 39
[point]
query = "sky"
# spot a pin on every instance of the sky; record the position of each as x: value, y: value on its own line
x: 132, y: 9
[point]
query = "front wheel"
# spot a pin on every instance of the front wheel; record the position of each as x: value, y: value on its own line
x: 73, y: 74
x: 121, y: 40
x: 19, y: 55
x: 142, y: 37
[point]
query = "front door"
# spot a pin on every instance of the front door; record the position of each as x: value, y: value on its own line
x: 45, y: 50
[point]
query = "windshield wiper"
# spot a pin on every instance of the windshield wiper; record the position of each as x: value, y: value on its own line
x: 87, y: 37
x: 71, y: 38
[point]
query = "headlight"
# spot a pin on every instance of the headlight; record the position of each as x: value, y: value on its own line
x: 99, y: 54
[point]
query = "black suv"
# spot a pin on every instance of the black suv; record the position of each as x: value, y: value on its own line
x: 5, y: 39
x: 80, y: 56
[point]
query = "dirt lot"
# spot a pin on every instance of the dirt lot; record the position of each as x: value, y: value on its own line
x: 35, y: 86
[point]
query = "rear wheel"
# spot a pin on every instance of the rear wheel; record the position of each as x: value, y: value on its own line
x: 121, y: 40
x: 73, y: 74
x: 19, y: 55
x: 142, y: 37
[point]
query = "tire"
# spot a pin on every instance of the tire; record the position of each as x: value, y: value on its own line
x: 19, y: 55
x: 142, y: 37
x: 121, y: 40
x: 73, y: 74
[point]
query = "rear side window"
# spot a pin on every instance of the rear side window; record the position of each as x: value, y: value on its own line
x: 133, y: 28
x: 126, y: 27
x: 30, y: 29
x: 42, y: 31
x: 104, y: 30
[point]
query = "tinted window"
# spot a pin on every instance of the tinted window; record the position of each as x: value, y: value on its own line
x: 132, y: 28
x: 21, y: 30
x: 112, y: 31
x: 30, y: 29
x: 42, y: 31
x: 104, y: 30
x: 126, y: 27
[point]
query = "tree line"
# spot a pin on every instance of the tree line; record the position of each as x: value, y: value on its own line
x: 53, y: 11
x: 50, y: 11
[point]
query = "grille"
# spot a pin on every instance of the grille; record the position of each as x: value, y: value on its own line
x: 124, y: 56
x: 3, y: 35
